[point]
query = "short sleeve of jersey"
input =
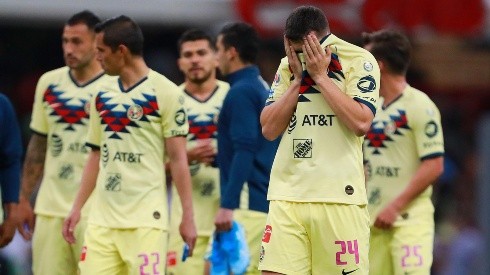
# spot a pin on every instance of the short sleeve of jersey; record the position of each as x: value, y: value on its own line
x: 282, y: 81
x: 363, y: 81
x: 427, y: 129
x: 39, y: 122
x: 174, y: 115
x: 94, y: 127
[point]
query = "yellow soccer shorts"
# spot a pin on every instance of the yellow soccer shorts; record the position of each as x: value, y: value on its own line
x: 109, y: 251
x: 402, y: 250
x: 315, y: 238
x: 51, y: 254
x: 192, y: 265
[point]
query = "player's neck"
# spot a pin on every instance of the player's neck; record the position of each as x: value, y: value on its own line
x: 201, y: 91
x: 391, y: 87
x: 87, y: 73
x: 237, y: 64
x: 133, y: 72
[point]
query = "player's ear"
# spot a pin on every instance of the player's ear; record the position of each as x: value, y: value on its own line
x: 122, y: 49
x: 231, y: 52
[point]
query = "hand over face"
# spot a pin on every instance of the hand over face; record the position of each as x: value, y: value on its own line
x: 317, y: 58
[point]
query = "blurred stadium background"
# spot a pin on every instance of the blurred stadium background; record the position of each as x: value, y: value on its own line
x: 451, y: 63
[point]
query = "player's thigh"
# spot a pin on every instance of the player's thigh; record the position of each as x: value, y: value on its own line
x: 192, y: 265
x: 100, y: 254
x: 51, y: 254
x: 339, y: 235
x: 253, y: 223
x: 285, y: 246
x: 380, y: 258
x: 144, y: 250
x: 412, y: 248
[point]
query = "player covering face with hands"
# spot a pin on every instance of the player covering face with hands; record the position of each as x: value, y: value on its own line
x: 321, y: 103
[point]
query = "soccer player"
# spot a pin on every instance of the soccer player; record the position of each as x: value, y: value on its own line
x: 56, y: 152
x: 404, y: 152
x: 204, y: 96
x: 10, y: 161
x: 244, y: 156
x: 136, y: 120
x: 322, y: 101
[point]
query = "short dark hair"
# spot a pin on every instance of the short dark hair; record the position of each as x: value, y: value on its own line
x: 303, y: 20
x: 244, y: 38
x: 194, y: 35
x: 85, y: 17
x: 391, y: 47
x: 122, y: 30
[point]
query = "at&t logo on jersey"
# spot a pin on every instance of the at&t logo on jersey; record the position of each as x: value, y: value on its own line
x: 320, y: 120
x: 129, y: 157
x: 302, y: 148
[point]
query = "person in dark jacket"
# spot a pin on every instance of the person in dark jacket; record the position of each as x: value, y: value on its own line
x: 244, y: 156
x: 10, y: 158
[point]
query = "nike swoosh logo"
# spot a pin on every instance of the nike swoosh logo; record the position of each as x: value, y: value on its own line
x: 348, y: 272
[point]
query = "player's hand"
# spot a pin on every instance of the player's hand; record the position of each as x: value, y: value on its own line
x: 188, y: 233
x: 386, y: 217
x: 293, y: 60
x: 7, y: 228
x: 204, y: 152
x: 317, y: 59
x: 69, y: 226
x: 26, y: 219
x: 224, y: 219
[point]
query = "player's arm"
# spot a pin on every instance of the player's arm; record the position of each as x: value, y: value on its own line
x: 275, y: 117
x: 87, y: 185
x: 353, y: 114
x: 32, y: 174
x: 245, y: 135
x: 427, y: 173
x: 176, y: 150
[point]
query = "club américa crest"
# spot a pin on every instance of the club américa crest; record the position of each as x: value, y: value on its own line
x: 135, y: 112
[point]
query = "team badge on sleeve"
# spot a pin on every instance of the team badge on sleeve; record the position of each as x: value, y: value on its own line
x: 180, y: 117
x: 367, y: 84
x: 368, y: 66
x: 431, y: 129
